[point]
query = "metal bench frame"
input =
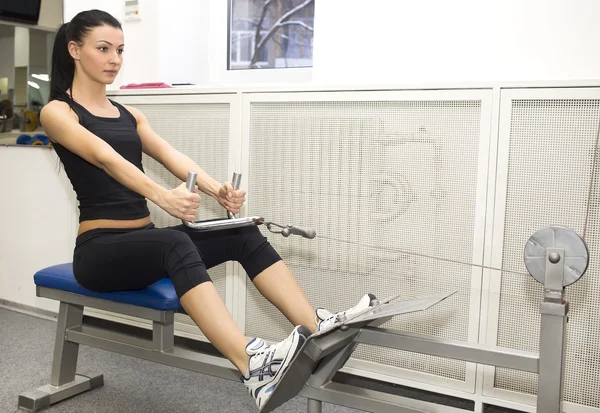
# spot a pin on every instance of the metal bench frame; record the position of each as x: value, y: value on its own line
x: 310, y: 374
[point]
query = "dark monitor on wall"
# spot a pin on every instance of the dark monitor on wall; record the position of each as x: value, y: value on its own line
x: 22, y: 11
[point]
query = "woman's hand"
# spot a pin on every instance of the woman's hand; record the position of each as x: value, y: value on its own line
x: 230, y: 199
x: 180, y: 202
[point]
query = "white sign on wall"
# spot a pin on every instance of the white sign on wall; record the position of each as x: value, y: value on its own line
x: 132, y: 10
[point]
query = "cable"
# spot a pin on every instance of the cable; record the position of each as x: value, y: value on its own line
x: 421, y: 255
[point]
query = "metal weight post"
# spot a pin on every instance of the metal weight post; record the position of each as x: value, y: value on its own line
x: 553, y: 331
x: 556, y: 257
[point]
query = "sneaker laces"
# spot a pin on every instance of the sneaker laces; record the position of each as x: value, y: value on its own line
x: 332, y: 318
x: 262, y: 353
x: 329, y: 320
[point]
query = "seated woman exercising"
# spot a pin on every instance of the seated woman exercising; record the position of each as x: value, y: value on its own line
x: 100, y: 144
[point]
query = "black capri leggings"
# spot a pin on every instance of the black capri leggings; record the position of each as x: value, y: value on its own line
x: 107, y: 260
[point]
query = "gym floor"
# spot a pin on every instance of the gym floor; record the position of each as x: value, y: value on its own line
x: 132, y: 385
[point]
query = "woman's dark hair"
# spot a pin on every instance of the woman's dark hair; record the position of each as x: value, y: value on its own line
x: 63, y: 65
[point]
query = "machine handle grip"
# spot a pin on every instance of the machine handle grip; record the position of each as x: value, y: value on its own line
x: 303, y: 232
x: 236, y: 180
x: 235, y: 183
x: 191, y: 180
x: 190, y: 183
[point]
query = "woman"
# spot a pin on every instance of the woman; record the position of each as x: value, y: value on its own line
x: 100, y: 144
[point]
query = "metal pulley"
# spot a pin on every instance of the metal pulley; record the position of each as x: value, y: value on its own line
x: 575, y: 258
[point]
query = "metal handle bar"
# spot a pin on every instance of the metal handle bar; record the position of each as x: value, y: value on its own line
x: 232, y: 222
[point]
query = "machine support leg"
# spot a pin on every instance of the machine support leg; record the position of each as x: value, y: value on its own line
x: 552, y: 358
x: 64, y: 363
x: 64, y: 382
x: 553, y: 331
x: 314, y: 406
x: 163, y: 334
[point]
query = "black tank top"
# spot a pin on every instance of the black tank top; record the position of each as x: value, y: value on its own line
x: 99, y: 195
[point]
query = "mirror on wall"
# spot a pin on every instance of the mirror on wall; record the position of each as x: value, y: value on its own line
x: 25, y: 62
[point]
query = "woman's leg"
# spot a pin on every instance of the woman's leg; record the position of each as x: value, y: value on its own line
x: 206, y: 308
x: 272, y: 278
x: 136, y: 259
x: 131, y: 260
x: 277, y: 284
x: 265, y: 268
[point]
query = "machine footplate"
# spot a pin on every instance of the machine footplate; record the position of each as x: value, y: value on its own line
x: 319, y: 345
x: 401, y: 307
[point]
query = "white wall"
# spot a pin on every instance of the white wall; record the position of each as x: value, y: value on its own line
x: 400, y: 41
x: 72, y: 7
x: 38, y: 217
x: 184, y: 47
x: 386, y: 41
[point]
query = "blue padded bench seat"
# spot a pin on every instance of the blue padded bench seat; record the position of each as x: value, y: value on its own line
x: 159, y: 296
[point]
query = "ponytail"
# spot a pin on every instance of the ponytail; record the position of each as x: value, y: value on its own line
x: 63, y: 66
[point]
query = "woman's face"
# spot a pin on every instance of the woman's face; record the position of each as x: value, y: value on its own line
x: 101, y: 55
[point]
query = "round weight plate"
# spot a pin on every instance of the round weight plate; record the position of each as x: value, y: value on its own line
x: 576, y: 253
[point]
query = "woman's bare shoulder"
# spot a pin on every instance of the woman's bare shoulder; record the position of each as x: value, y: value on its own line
x: 58, y: 108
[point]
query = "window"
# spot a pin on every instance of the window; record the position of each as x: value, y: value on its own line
x: 270, y: 33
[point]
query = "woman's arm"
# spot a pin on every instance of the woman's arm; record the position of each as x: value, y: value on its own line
x: 180, y: 164
x: 62, y: 126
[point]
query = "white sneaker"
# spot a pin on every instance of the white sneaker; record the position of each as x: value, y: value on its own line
x: 326, y: 320
x: 268, y: 363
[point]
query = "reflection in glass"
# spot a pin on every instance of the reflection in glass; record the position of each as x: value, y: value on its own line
x: 25, y: 59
